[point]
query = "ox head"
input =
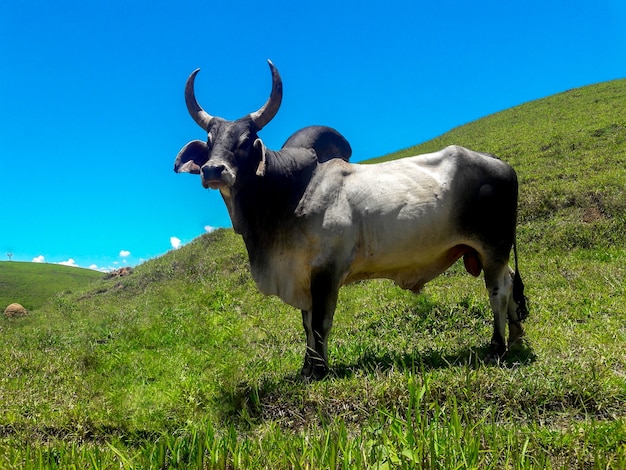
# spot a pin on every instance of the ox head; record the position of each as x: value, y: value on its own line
x: 233, y: 152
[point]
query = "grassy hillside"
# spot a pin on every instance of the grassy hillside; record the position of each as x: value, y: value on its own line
x: 183, y: 364
x: 31, y: 284
x: 568, y: 151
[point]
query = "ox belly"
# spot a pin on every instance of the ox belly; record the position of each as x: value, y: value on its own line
x: 410, y: 271
x: 408, y: 247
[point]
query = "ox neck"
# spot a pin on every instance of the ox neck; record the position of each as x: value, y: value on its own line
x: 267, y: 203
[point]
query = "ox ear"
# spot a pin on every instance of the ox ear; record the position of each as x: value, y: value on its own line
x: 191, y: 158
x: 259, y: 147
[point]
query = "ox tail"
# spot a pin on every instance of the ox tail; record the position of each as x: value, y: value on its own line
x: 518, y: 289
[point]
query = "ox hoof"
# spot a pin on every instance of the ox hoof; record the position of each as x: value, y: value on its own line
x: 492, y: 358
x: 313, y: 374
x: 496, y: 354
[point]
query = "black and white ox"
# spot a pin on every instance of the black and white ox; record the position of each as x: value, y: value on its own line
x: 313, y: 222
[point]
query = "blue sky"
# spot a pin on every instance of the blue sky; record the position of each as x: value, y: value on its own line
x: 92, y: 112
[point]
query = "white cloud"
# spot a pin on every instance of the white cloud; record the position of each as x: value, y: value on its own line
x: 209, y: 229
x: 175, y: 242
x: 124, y: 253
x: 38, y: 259
x: 102, y: 269
x: 69, y: 262
x: 94, y: 267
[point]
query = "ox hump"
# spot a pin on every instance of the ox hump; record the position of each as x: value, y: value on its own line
x: 325, y: 141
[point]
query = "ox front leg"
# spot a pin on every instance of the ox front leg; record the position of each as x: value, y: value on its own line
x: 317, y: 323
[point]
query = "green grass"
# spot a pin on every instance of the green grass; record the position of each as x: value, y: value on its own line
x: 183, y: 364
x: 32, y: 284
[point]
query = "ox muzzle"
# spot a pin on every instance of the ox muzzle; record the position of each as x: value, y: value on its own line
x: 217, y: 175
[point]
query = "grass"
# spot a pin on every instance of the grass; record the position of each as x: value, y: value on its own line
x: 183, y: 364
x: 32, y: 284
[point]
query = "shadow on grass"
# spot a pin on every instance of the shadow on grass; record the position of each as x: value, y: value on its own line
x: 287, y: 400
x: 469, y: 357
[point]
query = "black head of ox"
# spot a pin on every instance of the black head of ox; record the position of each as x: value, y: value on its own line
x: 233, y: 153
x: 260, y: 187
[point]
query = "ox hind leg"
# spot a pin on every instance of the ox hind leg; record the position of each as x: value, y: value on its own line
x: 317, y: 323
x: 501, y: 282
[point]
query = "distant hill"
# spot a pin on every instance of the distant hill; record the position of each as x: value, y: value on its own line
x: 31, y: 284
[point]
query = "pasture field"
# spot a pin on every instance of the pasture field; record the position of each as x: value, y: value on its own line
x: 32, y: 284
x: 183, y: 364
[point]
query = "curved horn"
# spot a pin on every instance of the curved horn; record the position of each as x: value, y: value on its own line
x: 270, y: 108
x: 198, y: 114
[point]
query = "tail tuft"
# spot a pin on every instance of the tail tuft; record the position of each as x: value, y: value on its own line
x: 519, y: 297
x: 518, y: 289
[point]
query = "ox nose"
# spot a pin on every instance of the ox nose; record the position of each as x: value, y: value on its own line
x: 212, y: 172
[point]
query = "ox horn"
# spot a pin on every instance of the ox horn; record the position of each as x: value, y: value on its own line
x: 198, y: 114
x: 270, y: 108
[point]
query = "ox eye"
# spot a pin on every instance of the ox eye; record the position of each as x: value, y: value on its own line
x: 210, y: 140
x: 244, y: 139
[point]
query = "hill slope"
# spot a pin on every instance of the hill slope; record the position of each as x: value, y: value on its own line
x: 569, y: 153
x: 184, y: 362
x: 31, y: 284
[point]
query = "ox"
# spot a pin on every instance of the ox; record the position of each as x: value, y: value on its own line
x: 312, y: 222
